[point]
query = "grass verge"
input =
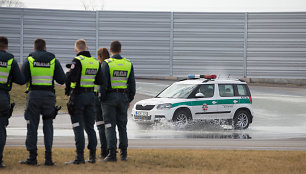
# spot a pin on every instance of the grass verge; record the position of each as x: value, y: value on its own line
x: 18, y: 96
x: 166, y: 161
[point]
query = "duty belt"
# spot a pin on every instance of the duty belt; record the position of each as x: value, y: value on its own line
x: 119, y: 90
x: 44, y: 88
x: 82, y: 90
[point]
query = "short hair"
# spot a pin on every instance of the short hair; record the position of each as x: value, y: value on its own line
x: 39, y: 44
x: 3, y: 42
x: 80, y: 44
x: 103, y: 54
x: 115, y: 47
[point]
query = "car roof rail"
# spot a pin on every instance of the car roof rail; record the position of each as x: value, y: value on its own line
x: 183, y: 79
x: 207, y: 80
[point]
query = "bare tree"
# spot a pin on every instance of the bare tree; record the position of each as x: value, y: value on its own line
x: 93, y: 5
x: 11, y: 3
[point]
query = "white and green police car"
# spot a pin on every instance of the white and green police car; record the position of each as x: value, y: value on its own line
x: 200, y: 97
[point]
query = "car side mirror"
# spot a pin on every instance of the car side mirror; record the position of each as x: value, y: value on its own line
x: 199, y: 95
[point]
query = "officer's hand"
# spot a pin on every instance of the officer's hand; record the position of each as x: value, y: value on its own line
x: 67, y: 91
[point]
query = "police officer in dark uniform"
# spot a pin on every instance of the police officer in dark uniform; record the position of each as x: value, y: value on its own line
x: 117, y: 91
x: 84, y: 73
x: 40, y: 70
x: 9, y: 72
x: 103, y: 54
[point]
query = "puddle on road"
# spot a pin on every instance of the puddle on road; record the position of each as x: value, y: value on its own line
x: 199, y: 129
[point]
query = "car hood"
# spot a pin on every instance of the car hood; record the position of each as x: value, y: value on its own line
x: 156, y: 101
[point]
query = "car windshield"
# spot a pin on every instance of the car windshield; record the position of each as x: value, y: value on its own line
x: 177, y: 91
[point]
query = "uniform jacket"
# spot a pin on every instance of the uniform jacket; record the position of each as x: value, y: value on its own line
x: 16, y: 75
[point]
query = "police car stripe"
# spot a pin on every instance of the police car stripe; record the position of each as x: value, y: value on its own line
x: 5, y: 74
x: 210, y: 102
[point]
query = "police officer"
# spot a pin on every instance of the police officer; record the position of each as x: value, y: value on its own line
x: 40, y: 70
x: 9, y: 72
x: 103, y: 54
x: 84, y: 73
x: 117, y: 91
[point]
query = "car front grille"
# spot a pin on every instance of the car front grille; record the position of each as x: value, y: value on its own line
x: 146, y: 107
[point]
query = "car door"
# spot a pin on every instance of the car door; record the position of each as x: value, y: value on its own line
x: 227, y: 100
x: 203, y: 107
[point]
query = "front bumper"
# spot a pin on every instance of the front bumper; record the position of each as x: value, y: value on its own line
x: 150, y: 116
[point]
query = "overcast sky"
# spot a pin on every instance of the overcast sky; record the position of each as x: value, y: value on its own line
x: 177, y: 5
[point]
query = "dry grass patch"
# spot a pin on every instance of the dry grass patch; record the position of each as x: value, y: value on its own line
x: 18, y: 96
x: 167, y: 161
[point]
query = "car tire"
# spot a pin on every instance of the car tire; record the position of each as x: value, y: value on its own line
x: 181, y: 118
x: 241, y: 119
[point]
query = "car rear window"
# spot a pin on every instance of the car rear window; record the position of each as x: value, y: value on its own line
x: 226, y: 90
x: 242, y: 90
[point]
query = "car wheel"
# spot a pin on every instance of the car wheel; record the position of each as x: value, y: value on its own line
x: 241, y: 120
x: 181, y: 118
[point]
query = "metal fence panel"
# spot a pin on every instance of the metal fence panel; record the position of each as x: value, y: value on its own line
x: 208, y: 43
x: 60, y: 29
x: 145, y: 38
x: 10, y: 27
x: 257, y: 45
x: 276, y: 45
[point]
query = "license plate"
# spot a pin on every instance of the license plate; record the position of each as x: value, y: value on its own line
x: 141, y: 113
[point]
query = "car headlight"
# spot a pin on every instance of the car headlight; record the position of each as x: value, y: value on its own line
x: 164, y: 106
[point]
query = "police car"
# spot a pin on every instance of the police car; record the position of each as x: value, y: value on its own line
x: 200, y: 97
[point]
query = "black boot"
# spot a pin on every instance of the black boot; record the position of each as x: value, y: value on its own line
x: 123, y: 154
x: 48, y: 159
x: 2, y: 165
x: 79, y: 159
x: 104, y: 153
x: 111, y: 157
x: 92, y: 156
x: 31, y: 160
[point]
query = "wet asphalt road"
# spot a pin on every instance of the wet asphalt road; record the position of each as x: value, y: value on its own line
x: 279, y: 124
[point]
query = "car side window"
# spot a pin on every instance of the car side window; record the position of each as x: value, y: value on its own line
x: 242, y: 91
x: 206, y: 90
x: 226, y: 90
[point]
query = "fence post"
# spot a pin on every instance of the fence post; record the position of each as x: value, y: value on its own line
x: 245, y: 45
x: 171, y: 45
x: 21, y: 36
x: 97, y: 32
